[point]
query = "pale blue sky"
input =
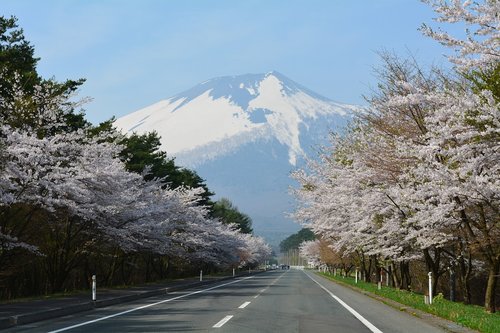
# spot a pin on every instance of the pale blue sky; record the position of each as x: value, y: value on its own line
x: 135, y: 53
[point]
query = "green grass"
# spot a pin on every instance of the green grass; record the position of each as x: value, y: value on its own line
x: 471, y: 316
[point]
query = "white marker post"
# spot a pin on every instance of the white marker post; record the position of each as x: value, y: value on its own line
x: 94, y: 287
x: 201, y: 275
x: 430, y: 287
x: 356, y: 278
x: 233, y: 271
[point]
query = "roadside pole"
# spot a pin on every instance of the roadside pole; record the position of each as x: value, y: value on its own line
x: 94, y: 287
x: 430, y: 287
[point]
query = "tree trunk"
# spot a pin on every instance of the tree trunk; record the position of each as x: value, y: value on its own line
x: 389, y: 276
x: 453, y: 284
x: 465, y: 273
x: 111, y: 275
x: 377, y: 269
x: 405, y: 275
x: 489, y: 299
x: 395, y: 278
x: 433, y: 266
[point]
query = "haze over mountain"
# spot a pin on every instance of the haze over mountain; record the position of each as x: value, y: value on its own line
x: 244, y: 134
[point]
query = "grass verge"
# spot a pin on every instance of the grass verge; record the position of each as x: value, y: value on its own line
x: 471, y: 316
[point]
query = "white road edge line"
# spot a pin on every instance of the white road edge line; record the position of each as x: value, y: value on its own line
x: 362, y: 319
x: 244, y: 305
x: 222, y: 322
x: 146, y: 306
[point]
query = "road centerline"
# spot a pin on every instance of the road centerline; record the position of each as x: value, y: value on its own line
x: 244, y: 305
x: 223, y: 321
x: 147, y: 306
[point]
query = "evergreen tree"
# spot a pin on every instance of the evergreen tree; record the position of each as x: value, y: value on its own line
x: 16, y: 54
x: 143, y: 151
x: 18, y: 67
x: 69, y: 207
x: 294, y: 241
x: 228, y: 213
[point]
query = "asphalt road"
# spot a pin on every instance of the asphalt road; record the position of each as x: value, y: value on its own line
x: 275, y: 301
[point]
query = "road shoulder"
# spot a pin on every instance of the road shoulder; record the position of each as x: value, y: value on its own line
x: 427, y: 317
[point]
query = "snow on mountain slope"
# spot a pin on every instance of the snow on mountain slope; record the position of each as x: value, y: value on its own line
x: 220, y: 115
x: 243, y: 135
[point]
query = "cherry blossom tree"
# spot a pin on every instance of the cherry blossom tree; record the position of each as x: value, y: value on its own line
x: 481, y: 47
x: 418, y: 175
x: 65, y: 194
x: 311, y: 250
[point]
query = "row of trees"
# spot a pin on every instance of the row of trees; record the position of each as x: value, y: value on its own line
x: 416, y: 178
x: 77, y: 199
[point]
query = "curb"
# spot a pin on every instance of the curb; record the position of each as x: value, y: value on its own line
x: 439, y: 322
x: 11, y: 321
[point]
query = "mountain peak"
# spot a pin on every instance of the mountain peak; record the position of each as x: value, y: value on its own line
x: 220, y: 115
x: 277, y: 75
x: 243, y: 134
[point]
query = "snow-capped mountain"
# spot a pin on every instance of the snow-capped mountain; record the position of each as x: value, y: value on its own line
x: 218, y: 116
x: 243, y: 135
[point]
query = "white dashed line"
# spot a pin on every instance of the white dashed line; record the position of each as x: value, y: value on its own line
x: 222, y: 322
x: 149, y: 305
x: 244, y: 305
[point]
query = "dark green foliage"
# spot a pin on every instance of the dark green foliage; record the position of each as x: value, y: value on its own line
x: 486, y: 81
x: 17, y: 63
x: 294, y: 241
x: 104, y: 127
x: 75, y: 121
x: 141, y: 151
x: 224, y: 210
x: 481, y: 81
x: 16, y: 54
x: 72, y: 249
